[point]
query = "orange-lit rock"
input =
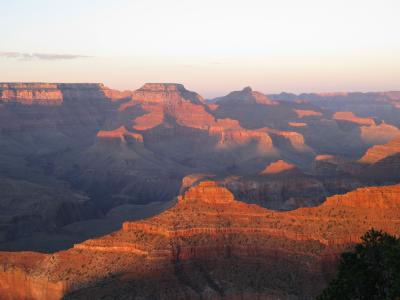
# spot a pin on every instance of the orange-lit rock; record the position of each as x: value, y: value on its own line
x: 31, y: 93
x: 297, y: 124
x: 247, y: 95
x: 120, y: 133
x: 278, y: 166
x: 302, y: 113
x: 166, y: 93
x: 380, y: 152
x: 351, y: 117
x: 379, y: 134
x: 208, y: 232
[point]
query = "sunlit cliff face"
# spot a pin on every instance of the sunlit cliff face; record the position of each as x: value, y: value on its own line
x: 208, y: 235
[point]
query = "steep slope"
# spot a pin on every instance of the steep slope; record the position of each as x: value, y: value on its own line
x: 379, y: 152
x: 196, y: 249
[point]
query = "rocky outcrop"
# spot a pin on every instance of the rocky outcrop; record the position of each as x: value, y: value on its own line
x: 165, y: 93
x: 31, y: 93
x: 302, y: 113
x: 379, y: 134
x: 297, y: 124
x: 278, y: 166
x: 120, y: 133
x: 231, y: 135
x: 380, y: 152
x: 194, y: 248
x: 351, y: 117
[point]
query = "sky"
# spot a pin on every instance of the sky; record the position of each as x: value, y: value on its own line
x: 211, y: 46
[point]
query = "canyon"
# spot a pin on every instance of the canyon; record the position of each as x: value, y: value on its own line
x: 208, y: 246
x: 242, y: 196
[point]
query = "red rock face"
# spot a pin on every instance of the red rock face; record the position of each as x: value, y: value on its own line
x: 278, y: 166
x: 380, y: 152
x: 351, y: 117
x: 205, y: 235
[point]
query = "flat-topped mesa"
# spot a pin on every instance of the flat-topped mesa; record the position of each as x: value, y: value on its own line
x: 370, y: 197
x: 167, y: 93
x: 31, y: 93
x: 351, y: 117
x: 302, y: 113
x: 42, y: 93
x: 209, y: 192
x: 247, y: 95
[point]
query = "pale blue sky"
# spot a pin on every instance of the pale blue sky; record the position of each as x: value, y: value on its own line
x: 211, y: 46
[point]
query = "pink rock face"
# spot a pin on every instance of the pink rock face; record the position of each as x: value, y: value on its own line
x: 297, y: 124
x: 295, y: 139
x: 31, y: 93
x: 302, y: 113
x: 278, y: 166
x: 380, y: 152
x: 119, y: 133
x: 232, y: 135
x: 351, y: 117
x: 247, y: 95
x: 379, y: 134
x: 165, y: 93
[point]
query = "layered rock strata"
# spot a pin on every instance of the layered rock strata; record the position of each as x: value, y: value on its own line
x: 208, y: 245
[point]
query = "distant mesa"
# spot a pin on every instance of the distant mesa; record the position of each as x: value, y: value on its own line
x: 167, y: 93
x: 246, y: 96
x: 31, y: 93
x: 278, y: 166
x: 297, y: 124
x: 302, y: 113
x: 351, y: 117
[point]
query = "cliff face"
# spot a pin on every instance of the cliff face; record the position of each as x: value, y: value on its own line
x: 118, y: 148
x: 31, y: 93
x: 379, y: 152
x: 197, y: 247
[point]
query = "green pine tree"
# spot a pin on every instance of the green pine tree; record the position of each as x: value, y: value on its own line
x: 371, y: 271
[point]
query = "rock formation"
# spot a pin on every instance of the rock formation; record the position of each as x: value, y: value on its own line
x: 350, y: 117
x: 302, y: 113
x: 278, y: 166
x: 196, y: 249
x: 247, y: 95
x: 119, y: 149
x: 380, y: 152
x: 31, y: 93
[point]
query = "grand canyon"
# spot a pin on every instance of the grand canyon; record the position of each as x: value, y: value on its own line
x: 159, y: 193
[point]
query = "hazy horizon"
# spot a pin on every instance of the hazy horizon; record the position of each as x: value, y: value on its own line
x: 212, y: 48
